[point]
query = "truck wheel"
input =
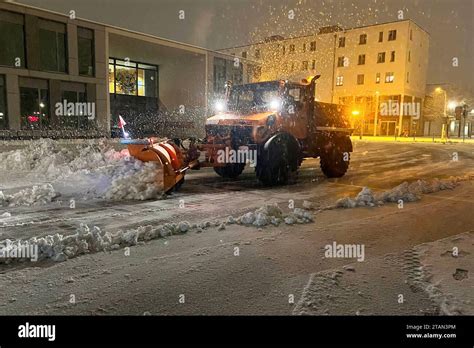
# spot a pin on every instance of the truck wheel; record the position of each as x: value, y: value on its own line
x: 232, y: 170
x: 334, y: 162
x: 277, y: 163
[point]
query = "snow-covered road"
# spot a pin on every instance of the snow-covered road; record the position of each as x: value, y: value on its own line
x: 238, y: 269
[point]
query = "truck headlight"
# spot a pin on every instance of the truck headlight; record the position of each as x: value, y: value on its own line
x: 275, y: 104
x: 219, y: 105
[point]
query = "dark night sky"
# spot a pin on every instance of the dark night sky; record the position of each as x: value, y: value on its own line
x: 225, y: 23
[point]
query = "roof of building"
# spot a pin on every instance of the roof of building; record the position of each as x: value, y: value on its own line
x: 316, y: 34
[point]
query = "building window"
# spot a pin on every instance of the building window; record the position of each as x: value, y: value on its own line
x: 304, y: 47
x: 360, y: 79
x: 409, y: 56
x: 389, y: 77
x: 381, y: 57
x: 381, y: 36
x: 292, y: 66
x: 85, y: 51
x: 312, y: 46
x: 377, y: 78
x: 304, y: 66
x: 284, y: 49
x: 339, y: 80
x: 362, y: 39
x: 411, y: 34
x: 12, y: 39
x: 340, y: 61
x: 361, y: 59
x: 34, y: 103
x: 52, y: 45
x: 342, y: 42
x: 313, y: 64
x: 392, y: 35
x: 257, y: 54
x: 220, y: 76
x: 78, y: 117
x: 132, y: 78
x: 244, y: 54
x: 3, y: 104
x: 292, y: 49
x: 408, y: 77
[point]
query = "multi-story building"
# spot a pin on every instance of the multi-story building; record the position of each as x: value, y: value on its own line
x: 51, y: 63
x: 378, y: 70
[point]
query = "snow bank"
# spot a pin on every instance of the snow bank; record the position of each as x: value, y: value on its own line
x: 272, y: 215
x: 38, y: 194
x: 92, y: 166
x: 135, y: 180
x: 59, y: 248
x: 407, y: 192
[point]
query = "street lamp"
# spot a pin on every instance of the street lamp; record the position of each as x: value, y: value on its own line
x: 452, y: 105
x: 356, y: 113
x: 440, y: 90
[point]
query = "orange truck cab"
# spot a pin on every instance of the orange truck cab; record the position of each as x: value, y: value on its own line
x: 273, y: 126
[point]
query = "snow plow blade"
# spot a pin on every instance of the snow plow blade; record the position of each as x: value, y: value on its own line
x: 165, y: 154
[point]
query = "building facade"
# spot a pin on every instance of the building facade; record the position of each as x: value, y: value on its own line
x: 62, y: 76
x: 378, y: 70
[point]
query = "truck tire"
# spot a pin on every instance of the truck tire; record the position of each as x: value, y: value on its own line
x: 230, y: 171
x: 277, y: 161
x: 334, y: 162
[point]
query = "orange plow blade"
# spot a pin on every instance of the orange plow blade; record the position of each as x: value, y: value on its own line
x: 166, y: 155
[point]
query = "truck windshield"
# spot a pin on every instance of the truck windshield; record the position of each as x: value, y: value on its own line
x: 253, y: 97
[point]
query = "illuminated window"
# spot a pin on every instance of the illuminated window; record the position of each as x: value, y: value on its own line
x: 132, y: 78
x: 389, y: 77
x: 339, y: 80
x: 377, y: 78
x: 111, y: 77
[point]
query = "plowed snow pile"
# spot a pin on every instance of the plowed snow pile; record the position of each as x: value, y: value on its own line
x: 59, y: 248
x: 407, y: 192
x: 92, y: 169
x: 40, y: 194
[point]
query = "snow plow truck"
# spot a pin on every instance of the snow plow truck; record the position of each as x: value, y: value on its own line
x: 271, y: 126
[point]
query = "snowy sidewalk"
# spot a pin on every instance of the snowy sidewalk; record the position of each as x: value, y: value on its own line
x: 412, y: 139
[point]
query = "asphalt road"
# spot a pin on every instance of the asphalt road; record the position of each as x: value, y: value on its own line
x: 274, y: 270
